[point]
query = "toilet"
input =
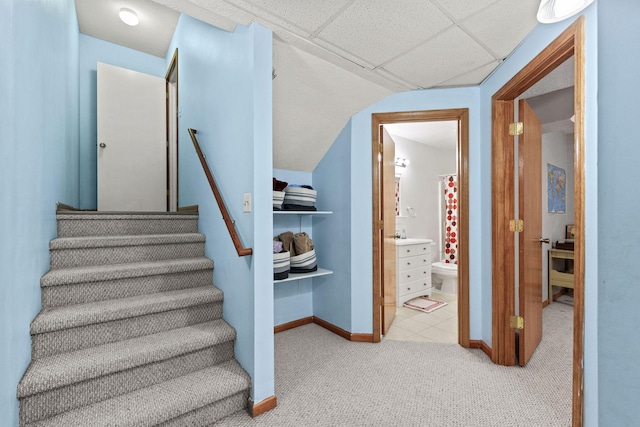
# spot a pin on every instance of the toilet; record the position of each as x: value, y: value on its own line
x: 447, y: 273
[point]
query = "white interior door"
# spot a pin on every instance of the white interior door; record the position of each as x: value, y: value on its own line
x: 132, y: 155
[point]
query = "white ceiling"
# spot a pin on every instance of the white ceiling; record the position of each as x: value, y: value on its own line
x: 335, y: 57
x: 439, y: 135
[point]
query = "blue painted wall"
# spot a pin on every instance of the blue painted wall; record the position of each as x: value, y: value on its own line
x: 38, y: 166
x: 361, y: 203
x: 293, y: 300
x: 537, y: 40
x: 224, y: 83
x: 92, y: 51
x: 332, y: 294
x: 618, y: 200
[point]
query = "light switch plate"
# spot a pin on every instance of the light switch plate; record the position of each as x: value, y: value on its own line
x: 246, y: 202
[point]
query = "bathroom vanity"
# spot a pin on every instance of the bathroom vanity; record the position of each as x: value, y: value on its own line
x: 413, y: 269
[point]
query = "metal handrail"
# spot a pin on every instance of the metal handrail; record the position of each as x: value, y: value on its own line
x: 240, y: 249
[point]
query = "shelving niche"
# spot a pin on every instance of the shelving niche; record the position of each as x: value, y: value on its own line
x: 301, y: 215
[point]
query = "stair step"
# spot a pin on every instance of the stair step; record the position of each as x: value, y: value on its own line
x: 74, y: 224
x: 55, y: 401
x: 161, y: 402
x: 78, y: 285
x: 99, y: 250
x: 71, y: 328
x: 82, y: 365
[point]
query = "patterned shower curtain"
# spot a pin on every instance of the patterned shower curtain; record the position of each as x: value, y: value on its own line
x: 450, y: 234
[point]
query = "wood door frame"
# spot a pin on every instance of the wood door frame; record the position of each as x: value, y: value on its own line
x: 569, y: 43
x: 461, y: 115
x: 172, y: 77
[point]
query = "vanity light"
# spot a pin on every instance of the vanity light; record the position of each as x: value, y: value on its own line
x: 129, y: 17
x: 557, y: 10
x: 402, y: 163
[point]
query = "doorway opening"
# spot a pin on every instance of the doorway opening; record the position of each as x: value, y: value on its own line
x: 569, y: 43
x: 171, y: 79
x: 384, y: 216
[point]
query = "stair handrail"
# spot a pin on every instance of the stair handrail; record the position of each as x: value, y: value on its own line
x: 240, y: 249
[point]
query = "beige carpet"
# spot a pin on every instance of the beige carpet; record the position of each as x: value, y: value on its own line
x: 324, y: 380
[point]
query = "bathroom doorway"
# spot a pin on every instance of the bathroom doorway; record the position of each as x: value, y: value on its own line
x: 383, y: 233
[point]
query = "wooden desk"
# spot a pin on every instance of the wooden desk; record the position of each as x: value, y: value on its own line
x: 560, y: 270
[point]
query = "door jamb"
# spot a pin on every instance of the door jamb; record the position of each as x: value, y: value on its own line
x: 462, y: 116
x: 171, y: 78
x: 569, y: 43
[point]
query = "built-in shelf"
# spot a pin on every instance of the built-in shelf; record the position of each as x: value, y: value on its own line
x: 302, y: 212
x: 299, y: 276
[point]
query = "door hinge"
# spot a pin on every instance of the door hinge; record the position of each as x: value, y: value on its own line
x: 167, y: 191
x: 382, y: 301
x: 381, y: 148
x: 516, y: 225
x: 516, y: 322
x: 516, y: 128
x: 381, y: 224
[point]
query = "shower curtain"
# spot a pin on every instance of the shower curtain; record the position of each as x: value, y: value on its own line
x: 450, y: 223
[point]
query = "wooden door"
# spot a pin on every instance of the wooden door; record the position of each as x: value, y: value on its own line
x: 388, y: 232
x: 131, y: 152
x: 530, y: 252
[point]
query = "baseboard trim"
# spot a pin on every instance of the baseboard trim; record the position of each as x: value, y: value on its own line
x: 328, y: 326
x: 191, y: 208
x: 545, y: 303
x: 266, y: 405
x: 481, y: 345
x: 294, y: 324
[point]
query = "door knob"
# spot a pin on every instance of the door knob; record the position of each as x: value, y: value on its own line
x: 544, y: 240
x: 103, y: 145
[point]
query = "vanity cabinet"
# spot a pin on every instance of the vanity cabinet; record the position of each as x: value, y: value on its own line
x: 413, y: 269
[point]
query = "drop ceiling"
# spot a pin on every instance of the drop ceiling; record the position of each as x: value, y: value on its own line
x: 343, y: 55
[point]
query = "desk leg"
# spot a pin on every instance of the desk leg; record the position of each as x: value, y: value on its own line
x: 549, y: 267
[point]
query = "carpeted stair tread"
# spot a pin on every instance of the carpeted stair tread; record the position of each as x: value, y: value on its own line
x: 158, y: 403
x: 101, y: 273
x: 73, y: 316
x: 94, y: 215
x: 87, y: 242
x: 68, y: 368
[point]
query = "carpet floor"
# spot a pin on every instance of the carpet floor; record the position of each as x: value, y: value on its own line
x: 324, y: 380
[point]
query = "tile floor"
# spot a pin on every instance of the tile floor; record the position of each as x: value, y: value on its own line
x: 439, y: 326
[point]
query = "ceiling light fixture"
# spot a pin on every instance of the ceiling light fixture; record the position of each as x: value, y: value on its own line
x: 551, y: 11
x: 128, y: 16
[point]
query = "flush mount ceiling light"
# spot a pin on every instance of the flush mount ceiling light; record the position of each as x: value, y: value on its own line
x: 128, y: 16
x: 556, y: 10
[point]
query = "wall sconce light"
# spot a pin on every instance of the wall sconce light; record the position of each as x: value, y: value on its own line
x: 402, y: 163
x: 129, y: 17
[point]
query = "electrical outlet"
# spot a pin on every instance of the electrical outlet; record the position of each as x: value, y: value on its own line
x: 246, y: 202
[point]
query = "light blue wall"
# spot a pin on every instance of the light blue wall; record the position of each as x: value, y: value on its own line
x: 619, y: 201
x: 479, y: 199
x: 537, y: 40
x: 293, y: 300
x: 224, y: 82
x: 92, y: 51
x: 332, y: 294
x: 38, y: 166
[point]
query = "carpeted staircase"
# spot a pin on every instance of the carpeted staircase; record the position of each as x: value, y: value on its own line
x: 131, y: 330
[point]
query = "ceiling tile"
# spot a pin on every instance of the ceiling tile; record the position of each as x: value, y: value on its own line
x: 460, y: 9
x: 450, y: 54
x: 379, y: 31
x: 306, y: 15
x: 503, y: 25
x: 474, y: 77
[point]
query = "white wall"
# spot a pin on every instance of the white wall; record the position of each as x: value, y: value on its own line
x: 419, y: 186
x: 557, y: 149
